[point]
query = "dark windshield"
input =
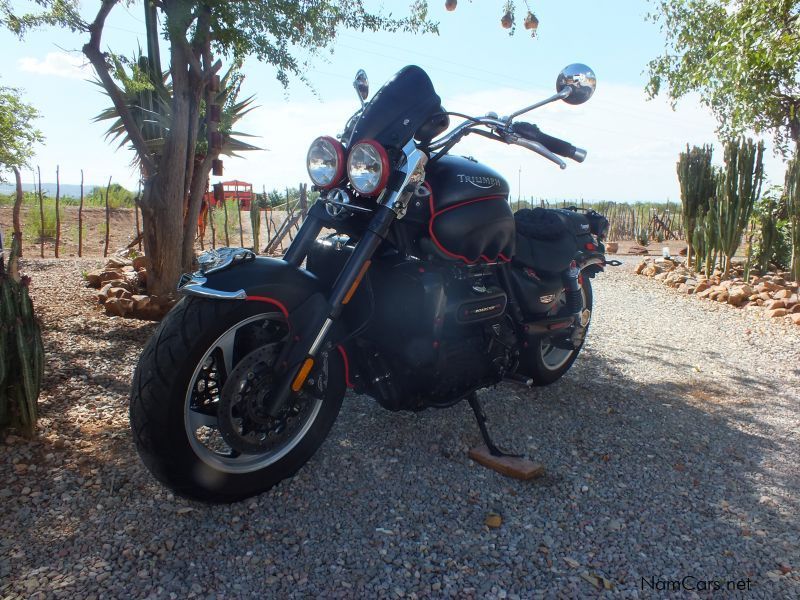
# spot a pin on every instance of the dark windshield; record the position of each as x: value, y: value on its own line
x: 398, y: 110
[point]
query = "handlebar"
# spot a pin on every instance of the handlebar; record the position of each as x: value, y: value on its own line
x: 555, y: 145
x: 522, y: 134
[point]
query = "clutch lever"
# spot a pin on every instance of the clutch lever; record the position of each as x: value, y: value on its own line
x: 536, y: 147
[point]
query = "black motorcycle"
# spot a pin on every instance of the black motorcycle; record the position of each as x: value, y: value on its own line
x: 429, y: 289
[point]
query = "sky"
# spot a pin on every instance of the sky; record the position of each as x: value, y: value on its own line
x: 475, y: 66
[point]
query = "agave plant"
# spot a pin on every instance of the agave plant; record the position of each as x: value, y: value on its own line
x: 149, y: 96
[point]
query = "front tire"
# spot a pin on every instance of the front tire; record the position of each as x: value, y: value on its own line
x: 176, y: 394
x: 545, y: 362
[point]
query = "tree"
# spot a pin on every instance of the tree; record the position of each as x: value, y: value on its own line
x: 742, y: 57
x: 17, y: 133
x: 196, y: 31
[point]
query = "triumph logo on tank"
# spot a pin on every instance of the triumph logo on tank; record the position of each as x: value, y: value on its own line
x: 478, y: 181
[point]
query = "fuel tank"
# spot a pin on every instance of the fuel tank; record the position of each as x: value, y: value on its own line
x: 466, y: 212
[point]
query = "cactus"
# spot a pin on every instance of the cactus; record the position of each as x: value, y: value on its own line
x: 21, y: 349
x: 697, y: 182
x: 738, y: 189
x: 767, y: 220
x: 642, y: 237
x: 793, y: 208
x: 21, y: 356
x: 255, y: 223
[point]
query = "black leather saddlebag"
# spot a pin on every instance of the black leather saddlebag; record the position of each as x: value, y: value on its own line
x: 548, y: 239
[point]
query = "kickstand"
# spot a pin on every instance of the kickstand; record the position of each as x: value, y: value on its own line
x: 480, y: 417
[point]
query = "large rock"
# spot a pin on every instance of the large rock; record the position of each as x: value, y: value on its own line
x: 773, y: 304
x: 640, y: 267
x: 118, y: 307
x: 111, y: 275
x: 141, y: 262
x: 782, y: 294
x: 702, y: 286
x: 116, y: 262
x: 124, y: 284
x: 777, y: 312
x: 795, y: 318
x: 738, y: 295
x: 686, y: 289
x: 93, y: 278
x: 651, y: 270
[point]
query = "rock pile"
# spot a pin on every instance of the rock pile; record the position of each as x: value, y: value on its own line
x: 122, y: 286
x: 771, y: 292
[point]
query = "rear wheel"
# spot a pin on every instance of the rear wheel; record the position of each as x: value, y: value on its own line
x: 547, y: 360
x: 198, y: 392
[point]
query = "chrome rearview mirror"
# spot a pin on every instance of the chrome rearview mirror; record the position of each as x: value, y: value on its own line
x: 575, y: 85
x: 361, y: 85
x: 580, y: 80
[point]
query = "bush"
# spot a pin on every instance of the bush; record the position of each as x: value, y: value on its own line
x: 218, y: 215
x: 31, y: 228
x: 118, y: 197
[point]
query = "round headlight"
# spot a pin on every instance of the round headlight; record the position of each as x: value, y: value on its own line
x: 368, y: 167
x: 325, y: 162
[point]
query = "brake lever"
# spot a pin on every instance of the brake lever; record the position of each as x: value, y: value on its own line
x: 536, y: 147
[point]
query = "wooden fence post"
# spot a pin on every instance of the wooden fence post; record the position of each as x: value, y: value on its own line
x: 108, y: 220
x: 239, y: 211
x: 58, y: 213
x: 80, y: 221
x: 41, y: 215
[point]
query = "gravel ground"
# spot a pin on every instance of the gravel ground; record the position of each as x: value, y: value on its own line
x: 671, y: 450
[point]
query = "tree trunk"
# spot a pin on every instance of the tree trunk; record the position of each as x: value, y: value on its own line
x: 162, y: 229
x: 165, y: 193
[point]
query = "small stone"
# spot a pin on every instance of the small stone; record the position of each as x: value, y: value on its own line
x: 493, y: 520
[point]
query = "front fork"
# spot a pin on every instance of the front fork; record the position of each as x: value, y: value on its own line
x: 391, y: 205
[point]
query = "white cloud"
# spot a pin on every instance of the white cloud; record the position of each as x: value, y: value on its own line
x: 58, y: 64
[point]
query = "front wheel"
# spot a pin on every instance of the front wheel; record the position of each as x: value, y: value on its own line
x: 197, y: 397
x: 545, y: 360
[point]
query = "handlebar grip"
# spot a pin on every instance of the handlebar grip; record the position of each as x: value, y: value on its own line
x: 555, y: 145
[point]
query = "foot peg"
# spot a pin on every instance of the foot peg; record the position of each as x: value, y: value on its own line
x: 489, y: 455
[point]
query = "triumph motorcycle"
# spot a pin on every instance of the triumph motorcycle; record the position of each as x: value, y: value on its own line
x: 410, y: 281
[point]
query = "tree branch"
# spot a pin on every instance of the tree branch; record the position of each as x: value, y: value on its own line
x: 92, y: 51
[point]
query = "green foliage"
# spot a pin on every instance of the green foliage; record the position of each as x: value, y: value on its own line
x: 738, y: 189
x: 255, y: 224
x: 17, y: 133
x: 642, y: 237
x: 698, y: 184
x: 742, y: 57
x: 118, y: 197
x: 792, y: 188
x: 225, y: 220
x: 772, y: 243
x: 21, y: 349
x: 31, y: 227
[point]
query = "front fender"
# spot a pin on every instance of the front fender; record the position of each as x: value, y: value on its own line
x: 297, y: 293
x: 254, y: 278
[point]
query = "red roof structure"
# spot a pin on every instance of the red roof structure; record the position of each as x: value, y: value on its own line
x: 241, y: 191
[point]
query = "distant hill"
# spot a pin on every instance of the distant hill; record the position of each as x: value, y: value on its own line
x: 50, y: 189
